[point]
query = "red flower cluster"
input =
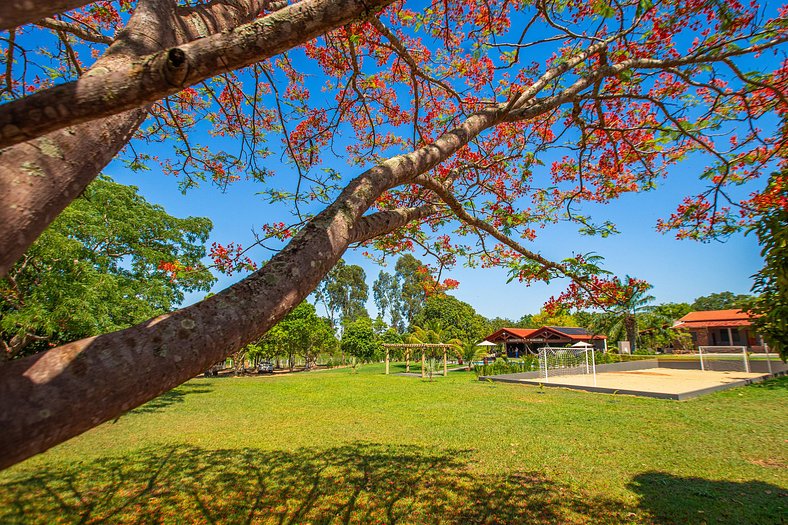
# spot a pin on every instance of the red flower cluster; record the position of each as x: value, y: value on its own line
x: 230, y: 258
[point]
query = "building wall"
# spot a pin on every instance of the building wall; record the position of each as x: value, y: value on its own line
x: 702, y: 336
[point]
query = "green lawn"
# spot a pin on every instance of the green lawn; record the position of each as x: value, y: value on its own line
x: 339, y: 447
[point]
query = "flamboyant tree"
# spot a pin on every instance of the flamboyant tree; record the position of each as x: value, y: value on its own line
x: 469, y: 124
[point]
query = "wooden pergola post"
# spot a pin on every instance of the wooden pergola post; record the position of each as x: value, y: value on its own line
x: 424, y: 346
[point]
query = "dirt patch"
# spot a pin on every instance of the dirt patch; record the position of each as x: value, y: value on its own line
x: 640, y: 373
x: 769, y: 463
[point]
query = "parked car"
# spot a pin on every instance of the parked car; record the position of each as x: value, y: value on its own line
x: 265, y: 367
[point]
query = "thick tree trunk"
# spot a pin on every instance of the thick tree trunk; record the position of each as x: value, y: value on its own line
x: 630, y: 324
x: 48, y: 398
x: 39, y: 178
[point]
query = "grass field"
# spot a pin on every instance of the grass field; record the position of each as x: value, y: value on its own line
x: 339, y: 447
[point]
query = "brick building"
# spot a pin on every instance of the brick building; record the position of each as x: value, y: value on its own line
x: 721, y: 328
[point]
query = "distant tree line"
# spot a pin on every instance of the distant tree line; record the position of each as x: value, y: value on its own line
x: 112, y: 259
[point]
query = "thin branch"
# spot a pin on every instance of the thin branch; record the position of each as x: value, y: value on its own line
x: 164, y: 73
x: 86, y: 34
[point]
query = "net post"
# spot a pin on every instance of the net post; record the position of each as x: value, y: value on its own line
x: 768, y: 359
x: 593, y: 363
x: 746, y: 359
x: 543, y: 363
x: 700, y: 353
x: 587, y: 370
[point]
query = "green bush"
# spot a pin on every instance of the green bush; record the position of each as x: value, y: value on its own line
x: 504, y: 366
x: 602, y: 358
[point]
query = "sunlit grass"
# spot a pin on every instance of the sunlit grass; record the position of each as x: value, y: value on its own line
x: 338, y: 446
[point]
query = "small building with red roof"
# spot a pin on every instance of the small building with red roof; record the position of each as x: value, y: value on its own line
x: 523, y: 341
x: 721, y: 328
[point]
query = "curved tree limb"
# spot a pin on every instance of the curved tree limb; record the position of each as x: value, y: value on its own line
x: 44, y: 396
x: 14, y: 13
x: 34, y: 172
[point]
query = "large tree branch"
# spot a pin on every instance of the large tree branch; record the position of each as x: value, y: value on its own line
x: 50, y: 397
x: 382, y: 222
x: 41, y: 177
x: 153, y: 77
x: 15, y: 13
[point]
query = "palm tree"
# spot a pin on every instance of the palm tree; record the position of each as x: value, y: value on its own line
x: 470, y: 352
x: 623, y: 317
x: 432, y: 333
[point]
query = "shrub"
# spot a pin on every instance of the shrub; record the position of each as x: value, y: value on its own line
x: 504, y: 366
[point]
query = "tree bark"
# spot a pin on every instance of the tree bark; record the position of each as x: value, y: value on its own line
x: 14, y: 13
x: 38, y: 179
x: 50, y: 397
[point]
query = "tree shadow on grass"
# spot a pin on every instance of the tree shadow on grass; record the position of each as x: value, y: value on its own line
x: 174, y: 396
x: 696, y: 501
x: 359, y: 483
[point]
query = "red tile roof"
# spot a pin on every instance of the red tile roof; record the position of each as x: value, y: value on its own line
x: 525, y: 333
x: 713, y: 324
x: 714, y: 319
x: 519, y: 332
x: 715, y: 315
